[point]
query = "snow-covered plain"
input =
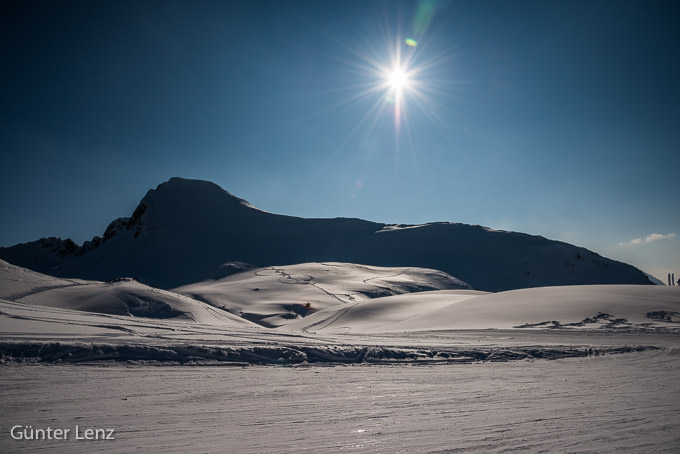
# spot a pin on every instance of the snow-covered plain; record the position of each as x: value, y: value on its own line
x: 554, y: 369
x: 612, y: 404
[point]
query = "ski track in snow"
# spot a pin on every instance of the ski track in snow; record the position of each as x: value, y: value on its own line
x: 309, y: 281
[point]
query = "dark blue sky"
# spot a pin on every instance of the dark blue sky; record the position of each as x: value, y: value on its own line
x: 553, y: 118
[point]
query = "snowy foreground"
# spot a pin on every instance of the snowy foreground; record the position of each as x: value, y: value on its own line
x: 610, y: 404
x: 345, y: 358
x: 163, y: 387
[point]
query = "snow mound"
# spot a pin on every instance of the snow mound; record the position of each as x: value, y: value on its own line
x: 274, y: 296
x: 603, y: 307
x: 16, y: 281
x: 379, y: 314
x: 121, y: 297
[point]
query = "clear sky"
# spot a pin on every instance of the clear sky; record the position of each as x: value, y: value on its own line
x: 560, y: 119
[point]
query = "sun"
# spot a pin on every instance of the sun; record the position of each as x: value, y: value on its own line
x: 398, y: 80
x: 399, y: 76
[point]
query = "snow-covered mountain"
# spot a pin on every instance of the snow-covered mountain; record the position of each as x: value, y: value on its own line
x: 187, y: 231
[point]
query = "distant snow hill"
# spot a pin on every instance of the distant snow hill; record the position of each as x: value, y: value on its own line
x: 270, y: 297
x: 578, y: 307
x: 276, y: 295
x: 121, y: 297
x: 188, y: 231
x: 316, y: 298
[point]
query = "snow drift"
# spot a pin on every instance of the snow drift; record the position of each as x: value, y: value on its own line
x: 592, y: 307
x: 120, y: 297
x: 275, y: 295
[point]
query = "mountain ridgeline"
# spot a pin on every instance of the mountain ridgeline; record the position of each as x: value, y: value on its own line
x: 187, y: 231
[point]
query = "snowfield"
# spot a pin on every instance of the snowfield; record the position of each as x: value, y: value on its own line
x: 418, y: 361
x: 612, y: 404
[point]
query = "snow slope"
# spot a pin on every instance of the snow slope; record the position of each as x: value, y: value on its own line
x: 275, y: 295
x: 188, y: 231
x: 378, y: 315
x: 349, y: 298
x: 622, y: 307
x: 56, y: 335
x: 122, y: 297
x: 16, y: 281
x: 37, y: 320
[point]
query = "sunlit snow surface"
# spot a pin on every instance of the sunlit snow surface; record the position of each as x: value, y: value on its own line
x: 556, y: 369
x: 277, y: 295
x: 612, y: 404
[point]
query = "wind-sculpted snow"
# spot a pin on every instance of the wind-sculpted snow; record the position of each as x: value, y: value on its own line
x: 187, y: 231
x: 17, y: 282
x: 379, y: 314
x: 600, y: 307
x: 55, y: 335
x: 277, y: 295
x: 127, y: 297
x: 121, y: 297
